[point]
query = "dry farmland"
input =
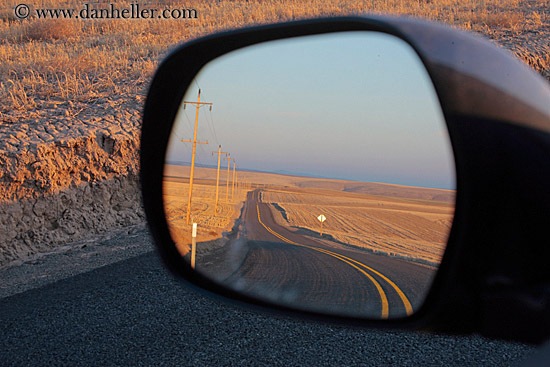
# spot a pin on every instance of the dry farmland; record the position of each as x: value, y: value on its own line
x: 209, y: 226
x: 409, y: 228
x: 394, y: 220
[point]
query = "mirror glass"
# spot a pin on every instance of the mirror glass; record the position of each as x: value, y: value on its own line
x: 318, y: 172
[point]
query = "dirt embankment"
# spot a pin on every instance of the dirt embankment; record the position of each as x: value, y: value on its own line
x: 69, y: 176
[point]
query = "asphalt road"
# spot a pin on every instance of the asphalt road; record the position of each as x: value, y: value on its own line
x: 91, y: 306
x: 305, y: 270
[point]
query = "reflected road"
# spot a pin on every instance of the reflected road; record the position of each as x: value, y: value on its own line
x: 314, y: 273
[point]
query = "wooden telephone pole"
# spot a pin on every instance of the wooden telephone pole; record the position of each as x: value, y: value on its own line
x: 228, y: 157
x: 194, y: 141
x: 219, y: 152
x: 233, y: 185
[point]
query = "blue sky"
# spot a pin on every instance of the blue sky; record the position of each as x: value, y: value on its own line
x: 354, y: 105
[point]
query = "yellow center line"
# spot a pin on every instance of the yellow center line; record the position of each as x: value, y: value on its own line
x: 383, y: 297
x: 404, y: 299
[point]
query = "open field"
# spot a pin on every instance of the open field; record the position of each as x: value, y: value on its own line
x: 282, y: 181
x: 409, y: 228
x: 209, y: 226
x: 409, y: 222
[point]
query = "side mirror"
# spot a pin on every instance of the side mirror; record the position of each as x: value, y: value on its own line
x: 356, y: 173
x: 334, y: 190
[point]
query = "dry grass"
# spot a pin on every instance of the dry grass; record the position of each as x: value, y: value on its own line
x: 209, y: 226
x: 50, y: 30
x: 86, y: 60
x: 396, y: 227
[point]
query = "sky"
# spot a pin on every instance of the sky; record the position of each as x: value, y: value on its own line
x: 350, y: 105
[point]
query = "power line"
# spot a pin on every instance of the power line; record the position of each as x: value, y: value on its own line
x: 201, y: 150
x: 188, y: 120
x: 213, y: 128
x: 210, y: 120
x: 179, y: 138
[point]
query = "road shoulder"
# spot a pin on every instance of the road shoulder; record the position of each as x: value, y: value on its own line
x: 74, y: 258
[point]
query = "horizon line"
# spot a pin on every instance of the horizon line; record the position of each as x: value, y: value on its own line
x: 283, y: 173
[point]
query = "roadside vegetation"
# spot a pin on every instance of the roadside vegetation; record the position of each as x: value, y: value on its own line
x: 87, y: 62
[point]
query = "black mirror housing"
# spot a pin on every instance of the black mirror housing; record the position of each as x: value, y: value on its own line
x: 494, y: 278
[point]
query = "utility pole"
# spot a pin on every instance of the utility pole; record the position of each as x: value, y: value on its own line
x: 233, y: 185
x: 228, y: 157
x: 194, y: 141
x: 237, y: 187
x: 219, y: 152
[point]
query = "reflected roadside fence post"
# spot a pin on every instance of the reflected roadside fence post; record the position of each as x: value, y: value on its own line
x: 193, y: 245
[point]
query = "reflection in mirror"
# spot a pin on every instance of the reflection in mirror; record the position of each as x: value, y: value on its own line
x: 318, y: 172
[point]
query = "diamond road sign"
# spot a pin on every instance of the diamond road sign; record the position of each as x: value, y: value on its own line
x: 322, y: 218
